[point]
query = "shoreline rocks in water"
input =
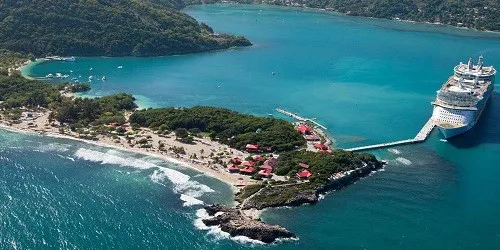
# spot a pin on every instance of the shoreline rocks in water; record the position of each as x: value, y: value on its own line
x: 302, y: 193
x: 236, y: 223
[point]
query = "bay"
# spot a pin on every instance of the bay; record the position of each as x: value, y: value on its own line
x: 368, y: 81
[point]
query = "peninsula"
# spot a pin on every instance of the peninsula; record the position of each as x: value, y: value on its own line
x: 269, y: 161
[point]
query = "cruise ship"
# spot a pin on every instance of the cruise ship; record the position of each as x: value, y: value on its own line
x: 461, y: 100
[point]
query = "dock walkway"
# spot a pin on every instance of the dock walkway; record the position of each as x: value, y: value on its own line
x: 420, y: 137
x: 300, y: 118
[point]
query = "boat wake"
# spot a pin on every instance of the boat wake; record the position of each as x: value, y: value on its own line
x: 189, y: 189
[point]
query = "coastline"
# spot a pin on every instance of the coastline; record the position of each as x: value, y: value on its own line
x: 343, y: 14
x: 226, y: 177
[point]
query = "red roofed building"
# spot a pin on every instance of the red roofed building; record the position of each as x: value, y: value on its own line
x: 233, y: 168
x: 247, y: 170
x: 252, y: 147
x: 320, y: 146
x: 312, y: 138
x: 304, y: 174
x: 247, y: 163
x: 265, y: 173
x: 236, y: 160
x: 266, y: 167
x: 304, y: 129
x: 303, y: 165
x: 257, y: 157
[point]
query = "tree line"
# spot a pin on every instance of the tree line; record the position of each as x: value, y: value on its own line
x: 229, y: 127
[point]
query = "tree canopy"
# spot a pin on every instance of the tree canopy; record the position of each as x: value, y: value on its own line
x: 105, y: 28
x: 478, y: 14
x: 229, y: 127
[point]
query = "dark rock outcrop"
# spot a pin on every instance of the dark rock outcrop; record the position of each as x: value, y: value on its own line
x: 303, y: 193
x: 234, y: 222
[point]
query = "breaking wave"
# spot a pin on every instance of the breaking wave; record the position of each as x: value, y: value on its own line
x: 217, y: 233
x: 403, y: 161
x: 54, y: 147
x: 189, y: 189
x: 394, y: 151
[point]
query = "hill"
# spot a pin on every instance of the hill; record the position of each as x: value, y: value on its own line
x: 105, y: 28
x: 477, y: 14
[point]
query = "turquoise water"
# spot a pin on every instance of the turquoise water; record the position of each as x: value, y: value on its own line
x: 368, y: 81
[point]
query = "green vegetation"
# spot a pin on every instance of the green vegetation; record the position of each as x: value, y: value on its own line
x: 248, y: 191
x: 80, y: 87
x: 229, y: 127
x: 9, y: 59
x: 105, y: 28
x: 322, y: 165
x: 478, y: 14
x: 104, y: 110
x: 18, y: 92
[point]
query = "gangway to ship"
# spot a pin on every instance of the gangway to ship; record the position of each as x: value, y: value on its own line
x: 420, y: 137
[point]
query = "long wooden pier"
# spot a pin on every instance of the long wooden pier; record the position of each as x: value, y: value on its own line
x: 300, y: 118
x: 420, y: 137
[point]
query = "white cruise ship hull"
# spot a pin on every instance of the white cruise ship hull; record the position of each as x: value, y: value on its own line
x: 462, y: 120
x: 452, y: 132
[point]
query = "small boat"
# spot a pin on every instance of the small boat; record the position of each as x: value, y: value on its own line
x: 49, y: 76
x: 91, y: 69
x: 58, y: 75
x: 270, y: 114
x: 71, y: 71
x: 120, y: 67
x: 90, y: 78
x: 69, y: 59
x: 65, y: 76
x: 74, y: 79
x: 103, y: 78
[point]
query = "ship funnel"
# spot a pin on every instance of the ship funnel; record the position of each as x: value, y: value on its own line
x: 480, y: 63
x: 470, y: 64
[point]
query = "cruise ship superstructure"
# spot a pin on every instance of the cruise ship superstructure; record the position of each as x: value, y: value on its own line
x: 462, y: 99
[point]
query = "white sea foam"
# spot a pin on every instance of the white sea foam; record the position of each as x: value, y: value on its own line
x: 54, y: 147
x: 182, y: 183
x: 190, y: 201
x: 394, y: 151
x: 404, y: 161
x: 216, y: 231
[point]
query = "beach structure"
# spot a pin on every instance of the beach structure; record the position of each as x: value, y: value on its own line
x: 247, y: 170
x: 304, y: 129
x: 265, y: 173
x: 252, y: 147
x: 304, y: 174
x: 247, y: 163
x: 236, y: 160
x: 233, y: 168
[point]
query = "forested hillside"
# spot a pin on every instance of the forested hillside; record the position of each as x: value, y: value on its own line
x: 478, y: 14
x: 105, y: 27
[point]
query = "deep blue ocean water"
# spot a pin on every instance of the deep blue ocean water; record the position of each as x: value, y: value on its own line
x: 368, y: 81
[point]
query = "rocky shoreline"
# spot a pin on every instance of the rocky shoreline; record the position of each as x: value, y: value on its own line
x: 235, y: 222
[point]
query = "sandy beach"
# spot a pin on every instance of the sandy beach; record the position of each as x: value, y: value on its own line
x: 199, y: 155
